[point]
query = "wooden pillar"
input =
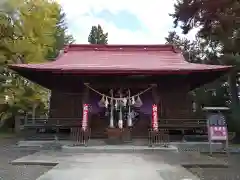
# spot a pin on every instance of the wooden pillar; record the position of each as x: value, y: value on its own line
x: 34, y: 113
x: 85, y: 95
x: 155, y: 94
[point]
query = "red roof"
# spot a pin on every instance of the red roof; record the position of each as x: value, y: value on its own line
x: 118, y: 59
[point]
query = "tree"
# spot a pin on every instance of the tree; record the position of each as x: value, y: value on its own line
x: 62, y: 38
x: 191, y: 50
x: 213, y: 94
x: 219, y: 26
x: 28, y: 30
x: 97, y: 36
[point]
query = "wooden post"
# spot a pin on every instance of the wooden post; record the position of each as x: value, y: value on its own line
x: 34, y: 113
x: 209, y: 137
x: 26, y: 119
x: 227, y: 147
x: 155, y: 94
x: 210, y: 146
x: 85, y: 95
x: 17, y: 124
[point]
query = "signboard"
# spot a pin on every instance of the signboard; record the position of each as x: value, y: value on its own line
x: 218, y: 133
x: 216, y: 119
x: 85, y: 117
x: 155, y: 117
x: 217, y: 129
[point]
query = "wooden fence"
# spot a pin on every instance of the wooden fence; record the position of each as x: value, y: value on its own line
x: 182, y: 124
x: 160, y: 137
x: 79, y: 136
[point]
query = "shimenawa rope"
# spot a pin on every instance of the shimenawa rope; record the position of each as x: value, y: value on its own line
x: 101, y: 94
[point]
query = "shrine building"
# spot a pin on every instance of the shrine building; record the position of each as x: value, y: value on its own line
x: 110, y: 87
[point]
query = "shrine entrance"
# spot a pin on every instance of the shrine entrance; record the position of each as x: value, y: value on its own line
x: 120, y: 110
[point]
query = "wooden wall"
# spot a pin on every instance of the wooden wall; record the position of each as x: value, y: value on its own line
x: 175, y: 104
x: 65, y: 105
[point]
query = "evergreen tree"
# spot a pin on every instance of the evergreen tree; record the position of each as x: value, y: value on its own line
x: 219, y: 26
x: 213, y: 94
x: 62, y: 38
x: 97, y: 36
x: 191, y: 50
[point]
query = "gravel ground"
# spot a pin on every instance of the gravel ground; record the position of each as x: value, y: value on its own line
x: 230, y: 173
x: 9, y: 152
x: 11, y: 172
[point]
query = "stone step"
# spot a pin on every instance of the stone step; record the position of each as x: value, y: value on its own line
x: 115, y: 149
x: 48, y: 137
x: 177, y: 173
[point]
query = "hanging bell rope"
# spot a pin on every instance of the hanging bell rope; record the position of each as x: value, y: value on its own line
x: 118, y: 99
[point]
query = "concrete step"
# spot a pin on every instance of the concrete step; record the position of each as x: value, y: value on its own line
x: 44, y: 136
x: 115, y: 149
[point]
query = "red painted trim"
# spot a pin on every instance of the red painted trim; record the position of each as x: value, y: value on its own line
x: 139, y: 72
x: 121, y: 72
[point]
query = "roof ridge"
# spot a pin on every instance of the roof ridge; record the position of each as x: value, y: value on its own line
x: 123, y: 47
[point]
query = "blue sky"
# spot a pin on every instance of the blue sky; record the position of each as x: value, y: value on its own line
x: 119, y: 19
x: 126, y: 21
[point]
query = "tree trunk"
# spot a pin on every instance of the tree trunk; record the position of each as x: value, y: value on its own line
x: 232, y: 80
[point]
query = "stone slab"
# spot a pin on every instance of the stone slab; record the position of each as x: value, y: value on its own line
x: 104, y: 166
x: 181, y: 146
x: 76, y: 171
x: 39, y: 143
x: 173, y: 158
x: 116, y: 149
x: 198, y: 146
x: 177, y: 173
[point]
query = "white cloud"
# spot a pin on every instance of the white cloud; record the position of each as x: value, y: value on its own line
x: 153, y: 14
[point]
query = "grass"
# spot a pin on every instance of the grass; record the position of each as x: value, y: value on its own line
x: 235, y: 145
x: 7, y: 134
